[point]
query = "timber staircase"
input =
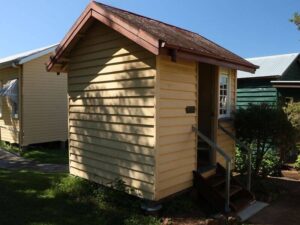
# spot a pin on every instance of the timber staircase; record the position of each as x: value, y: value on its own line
x: 211, y: 186
x: 204, y: 153
x: 215, y: 183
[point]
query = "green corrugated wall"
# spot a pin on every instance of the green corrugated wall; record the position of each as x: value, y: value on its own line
x: 256, y: 96
x: 260, y: 90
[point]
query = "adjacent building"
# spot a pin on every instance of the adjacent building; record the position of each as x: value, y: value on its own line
x: 276, y: 82
x: 33, y: 103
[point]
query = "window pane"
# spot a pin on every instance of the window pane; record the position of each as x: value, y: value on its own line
x: 224, y: 91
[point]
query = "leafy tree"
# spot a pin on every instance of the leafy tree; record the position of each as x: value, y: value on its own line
x: 296, y: 20
x: 264, y: 129
x: 293, y: 112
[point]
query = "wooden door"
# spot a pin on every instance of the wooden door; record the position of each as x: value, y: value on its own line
x: 207, y: 103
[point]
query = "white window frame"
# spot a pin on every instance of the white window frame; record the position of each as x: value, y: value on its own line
x: 14, y: 110
x: 228, y: 107
x: 1, y: 100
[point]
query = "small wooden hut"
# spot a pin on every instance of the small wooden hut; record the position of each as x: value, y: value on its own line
x: 137, y: 87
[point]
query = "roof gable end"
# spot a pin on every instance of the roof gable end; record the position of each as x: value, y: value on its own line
x: 155, y: 36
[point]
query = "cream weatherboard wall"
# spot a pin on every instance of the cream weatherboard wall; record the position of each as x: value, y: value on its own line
x: 223, y: 140
x: 127, y: 116
x: 176, y: 142
x: 176, y: 152
x: 111, y: 110
x: 9, y: 126
x: 44, y: 103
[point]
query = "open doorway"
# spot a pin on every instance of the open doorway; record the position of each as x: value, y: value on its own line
x: 207, y: 112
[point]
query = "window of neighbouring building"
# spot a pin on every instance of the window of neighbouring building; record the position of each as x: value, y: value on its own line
x: 11, y: 91
x: 1, y: 99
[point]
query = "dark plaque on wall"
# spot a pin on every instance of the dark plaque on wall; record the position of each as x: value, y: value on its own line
x: 190, y: 109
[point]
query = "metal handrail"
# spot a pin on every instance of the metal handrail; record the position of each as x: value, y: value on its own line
x: 228, y: 164
x: 249, y: 151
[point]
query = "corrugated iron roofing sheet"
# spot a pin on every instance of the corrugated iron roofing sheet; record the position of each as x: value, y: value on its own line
x: 21, y: 56
x: 269, y: 66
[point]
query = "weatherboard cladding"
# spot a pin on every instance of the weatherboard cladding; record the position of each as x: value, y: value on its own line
x: 111, y: 110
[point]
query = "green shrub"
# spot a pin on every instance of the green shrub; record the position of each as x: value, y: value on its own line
x: 116, y: 194
x: 263, y: 128
x: 240, y: 161
x: 142, y: 220
x: 9, y: 147
x: 270, y: 164
x: 73, y: 187
x: 293, y: 112
x: 297, y: 163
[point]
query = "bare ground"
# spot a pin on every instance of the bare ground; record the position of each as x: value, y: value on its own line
x: 285, y: 210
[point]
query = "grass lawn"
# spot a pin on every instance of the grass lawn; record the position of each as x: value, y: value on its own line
x: 31, y: 198
x: 43, y: 153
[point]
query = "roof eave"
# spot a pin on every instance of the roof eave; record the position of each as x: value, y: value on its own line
x: 6, y: 64
x: 25, y: 59
x: 36, y: 55
x: 201, y: 57
x: 286, y: 84
x: 260, y: 77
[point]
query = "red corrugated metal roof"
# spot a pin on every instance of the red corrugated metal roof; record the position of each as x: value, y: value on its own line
x: 149, y: 33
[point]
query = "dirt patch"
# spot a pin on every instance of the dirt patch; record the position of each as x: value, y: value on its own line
x: 291, y: 174
x: 285, y: 210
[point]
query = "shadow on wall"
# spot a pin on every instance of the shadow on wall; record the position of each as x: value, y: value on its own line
x: 111, y: 110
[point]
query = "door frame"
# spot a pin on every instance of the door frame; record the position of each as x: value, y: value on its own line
x: 215, y: 109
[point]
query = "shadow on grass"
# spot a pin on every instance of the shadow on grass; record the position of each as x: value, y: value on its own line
x: 29, y: 198
x: 47, y: 153
x: 43, y: 153
x: 33, y: 198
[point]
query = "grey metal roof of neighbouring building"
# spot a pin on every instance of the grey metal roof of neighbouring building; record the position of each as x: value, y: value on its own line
x: 269, y: 66
x: 24, y: 57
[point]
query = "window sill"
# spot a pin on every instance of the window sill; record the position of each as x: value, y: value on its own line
x: 226, y: 119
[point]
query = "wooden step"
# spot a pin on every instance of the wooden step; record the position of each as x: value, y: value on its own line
x: 242, y: 200
x: 216, y: 180
x: 241, y: 203
x: 233, y: 190
x: 211, y: 185
x: 203, y: 149
x: 207, y: 171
